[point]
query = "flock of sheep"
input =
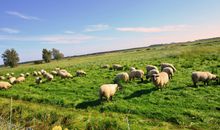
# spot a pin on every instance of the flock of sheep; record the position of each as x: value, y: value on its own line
x: 159, y: 79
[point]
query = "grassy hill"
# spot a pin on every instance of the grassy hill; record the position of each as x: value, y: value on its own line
x: 73, y: 103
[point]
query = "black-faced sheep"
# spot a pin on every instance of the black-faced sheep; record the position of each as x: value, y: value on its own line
x: 38, y: 80
x: 80, y: 73
x: 151, y: 72
x: 105, y: 66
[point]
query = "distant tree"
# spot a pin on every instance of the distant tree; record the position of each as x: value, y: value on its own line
x: 46, y: 55
x: 10, y: 58
x: 57, y: 55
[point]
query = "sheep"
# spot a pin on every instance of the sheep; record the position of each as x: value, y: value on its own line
x: 139, y: 74
x: 132, y: 68
x: 108, y: 91
x: 80, y: 73
x: 117, y: 67
x: 7, y: 75
x: 203, y: 76
x: 12, y: 79
x: 4, y: 85
x: 150, y: 67
x: 22, y: 75
x: 48, y: 76
x: 105, y: 66
x: 12, y: 73
x: 160, y: 80
x: 169, y: 71
x: 53, y: 72
x: 35, y: 73
x: 38, y: 80
x: 163, y: 65
x: 64, y: 74
x: 123, y: 76
x: 20, y: 79
x: 57, y: 69
x: 39, y: 73
x: 151, y: 72
x: 27, y: 74
x: 2, y: 78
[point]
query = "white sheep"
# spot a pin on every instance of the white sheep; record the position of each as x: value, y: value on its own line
x: 80, y: 73
x: 12, y: 79
x: 48, y: 76
x: 160, y: 80
x: 2, y: 78
x: 22, y: 75
x: 123, y: 76
x: 108, y: 91
x: 132, y: 68
x: 117, y: 67
x: 35, y: 73
x: 4, y: 85
x: 163, y: 65
x: 203, y: 76
x: 20, y: 79
x: 39, y: 73
x: 139, y: 74
x: 38, y: 80
x: 27, y: 74
x: 53, y: 72
x: 64, y: 74
x: 169, y: 71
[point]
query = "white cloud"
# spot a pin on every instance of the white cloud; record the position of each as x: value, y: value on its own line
x: 97, y: 27
x: 9, y: 30
x: 69, y: 32
x: 169, y: 28
x: 50, y: 39
x: 22, y: 16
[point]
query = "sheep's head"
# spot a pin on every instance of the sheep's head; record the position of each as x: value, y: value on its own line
x: 154, y: 77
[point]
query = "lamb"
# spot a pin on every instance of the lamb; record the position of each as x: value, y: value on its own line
x: 2, y: 78
x: 169, y: 71
x: 117, y: 67
x: 139, y: 74
x: 38, y: 80
x: 108, y: 91
x: 203, y: 76
x: 4, y: 85
x: 163, y: 65
x: 160, y: 80
x: 80, y: 73
x: 123, y: 76
x: 12, y: 80
x: 20, y: 79
x: 105, y: 66
x: 150, y: 67
x: 151, y: 72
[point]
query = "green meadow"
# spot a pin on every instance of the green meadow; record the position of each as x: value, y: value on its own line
x: 74, y: 103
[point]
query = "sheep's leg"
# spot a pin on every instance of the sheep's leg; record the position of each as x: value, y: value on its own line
x: 194, y: 84
x: 142, y: 80
x: 111, y: 98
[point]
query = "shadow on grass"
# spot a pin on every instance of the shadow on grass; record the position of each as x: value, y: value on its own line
x: 140, y: 92
x: 87, y: 104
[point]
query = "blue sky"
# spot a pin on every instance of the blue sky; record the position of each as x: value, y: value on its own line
x: 87, y: 26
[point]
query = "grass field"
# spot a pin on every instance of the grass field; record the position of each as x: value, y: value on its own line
x: 74, y: 103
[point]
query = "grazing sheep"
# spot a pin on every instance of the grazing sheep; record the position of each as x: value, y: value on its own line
x: 160, y: 80
x: 12, y: 73
x: 48, y: 76
x: 139, y: 74
x: 27, y: 74
x: 80, y: 73
x: 150, y: 67
x: 151, y: 72
x: 4, y: 85
x: 123, y: 76
x: 105, y: 66
x: 54, y: 72
x: 20, y: 79
x: 35, y: 73
x: 2, y: 78
x: 163, y: 65
x: 117, y: 67
x: 57, y: 69
x: 132, y: 68
x: 203, y: 76
x: 22, y: 75
x: 12, y: 80
x: 108, y: 91
x: 64, y: 74
x: 38, y: 80
x: 169, y: 71
x: 39, y: 73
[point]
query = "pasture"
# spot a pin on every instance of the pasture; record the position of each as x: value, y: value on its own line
x: 74, y: 103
